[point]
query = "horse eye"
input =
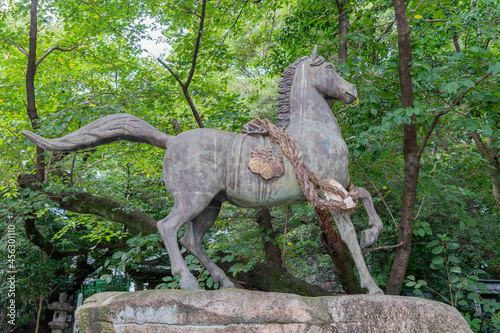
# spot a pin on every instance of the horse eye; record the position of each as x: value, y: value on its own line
x: 330, y: 66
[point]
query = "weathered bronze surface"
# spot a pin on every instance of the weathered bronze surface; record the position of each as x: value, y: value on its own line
x: 205, y: 167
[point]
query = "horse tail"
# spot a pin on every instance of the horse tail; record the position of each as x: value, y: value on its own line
x: 122, y: 126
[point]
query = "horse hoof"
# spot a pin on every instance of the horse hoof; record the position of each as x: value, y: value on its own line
x: 227, y: 285
x: 367, y: 238
x: 191, y: 284
x: 376, y: 291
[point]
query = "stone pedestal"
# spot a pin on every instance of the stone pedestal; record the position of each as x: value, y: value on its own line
x: 165, y: 311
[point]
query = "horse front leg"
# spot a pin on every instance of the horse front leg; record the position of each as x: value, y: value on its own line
x: 369, y: 236
x: 348, y: 235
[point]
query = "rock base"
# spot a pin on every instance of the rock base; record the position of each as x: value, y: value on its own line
x: 233, y: 310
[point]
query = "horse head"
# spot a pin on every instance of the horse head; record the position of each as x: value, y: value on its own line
x: 328, y: 82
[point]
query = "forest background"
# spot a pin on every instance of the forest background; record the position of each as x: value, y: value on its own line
x: 424, y: 139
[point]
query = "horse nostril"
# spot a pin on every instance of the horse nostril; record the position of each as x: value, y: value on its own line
x: 353, y: 94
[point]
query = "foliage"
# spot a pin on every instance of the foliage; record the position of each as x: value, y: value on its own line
x: 463, y: 286
x: 245, y: 46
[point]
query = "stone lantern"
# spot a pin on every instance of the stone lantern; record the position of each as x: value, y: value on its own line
x: 61, y: 308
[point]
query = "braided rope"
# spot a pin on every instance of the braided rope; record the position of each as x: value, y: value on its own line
x: 308, y: 179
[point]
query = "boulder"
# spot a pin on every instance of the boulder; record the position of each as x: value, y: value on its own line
x: 234, y: 310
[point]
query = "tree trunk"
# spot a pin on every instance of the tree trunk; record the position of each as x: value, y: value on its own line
x: 271, y: 277
x: 491, y: 155
x: 271, y: 248
x: 336, y: 248
x: 30, y: 87
x: 338, y: 251
x: 411, y: 156
x: 342, y: 21
x: 38, y: 313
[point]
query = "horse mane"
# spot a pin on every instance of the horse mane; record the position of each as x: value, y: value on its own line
x: 282, y: 119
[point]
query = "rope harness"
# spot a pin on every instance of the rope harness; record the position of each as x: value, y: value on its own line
x: 337, y: 197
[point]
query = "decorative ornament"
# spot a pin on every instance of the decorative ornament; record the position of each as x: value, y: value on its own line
x: 263, y: 164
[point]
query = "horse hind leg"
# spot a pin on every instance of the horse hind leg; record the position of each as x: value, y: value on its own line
x: 184, y: 211
x: 369, y: 236
x: 192, y: 242
x: 348, y: 235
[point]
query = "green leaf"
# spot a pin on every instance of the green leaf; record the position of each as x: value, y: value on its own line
x: 420, y: 232
x: 228, y: 258
x: 456, y: 269
x: 495, y: 69
x: 454, y: 259
x: 210, y: 282
x: 438, y: 260
x: 433, y: 243
x: 235, y: 268
x: 471, y: 124
x: 436, y: 266
x: 487, y: 130
x: 450, y: 87
x: 398, y: 120
x: 422, y: 282
x: 462, y: 225
x: 437, y: 250
x: 467, y: 83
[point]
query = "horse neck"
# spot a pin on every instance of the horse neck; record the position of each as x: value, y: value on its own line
x: 308, y: 108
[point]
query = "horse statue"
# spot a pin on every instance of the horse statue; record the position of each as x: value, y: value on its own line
x: 203, y: 168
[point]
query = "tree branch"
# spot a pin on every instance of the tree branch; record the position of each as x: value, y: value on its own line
x: 272, y: 29
x: 52, y: 49
x: 445, y: 111
x: 385, y: 31
x: 480, y: 144
x: 377, y: 26
x: 437, y: 21
x: 98, y: 246
x: 189, y: 11
x: 19, y: 47
x: 171, y: 72
x: 365, y: 251
x: 86, y: 203
x: 185, y: 86
x: 35, y: 237
x: 12, y: 85
x: 231, y: 28
x: 197, y: 44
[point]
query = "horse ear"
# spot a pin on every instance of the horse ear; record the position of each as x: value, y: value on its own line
x: 314, y: 55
